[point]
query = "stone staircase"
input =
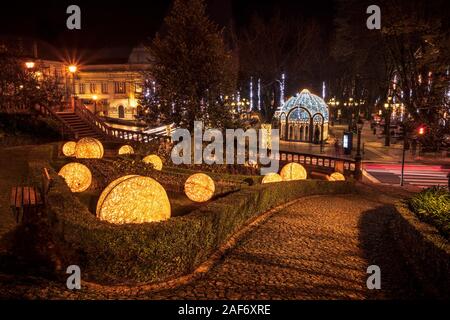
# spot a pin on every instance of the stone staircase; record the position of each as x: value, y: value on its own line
x: 79, y: 126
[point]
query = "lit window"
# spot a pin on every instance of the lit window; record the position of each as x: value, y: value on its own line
x: 119, y: 87
x: 81, y: 88
x: 93, y: 88
x: 104, y: 87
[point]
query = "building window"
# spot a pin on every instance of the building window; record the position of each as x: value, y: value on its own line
x: 81, y: 88
x: 104, y: 87
x: 138, y: 88
x: 119, y: 87
x: 93, y: 88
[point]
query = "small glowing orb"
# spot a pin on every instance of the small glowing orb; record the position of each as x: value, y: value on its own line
x: 89, y: 148
x: 68, y: 148
x: 133, y: 199
x: 272, y: 177
x: 126, y: 149
x: 155, y: 161
x: 336, y: 176
x: 78, y: 177
x: 199, y: 187
x: 293, y: 171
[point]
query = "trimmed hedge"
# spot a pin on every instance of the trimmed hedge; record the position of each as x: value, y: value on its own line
x: 153, y: 252
x: 426, y: 251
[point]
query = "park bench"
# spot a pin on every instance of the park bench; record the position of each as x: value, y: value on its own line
x: 27, y: 201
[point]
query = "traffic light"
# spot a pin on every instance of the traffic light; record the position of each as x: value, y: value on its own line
x: 421, y: 130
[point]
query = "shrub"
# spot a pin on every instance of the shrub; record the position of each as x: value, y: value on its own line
x: 153, y: 252
x: 433, y: 206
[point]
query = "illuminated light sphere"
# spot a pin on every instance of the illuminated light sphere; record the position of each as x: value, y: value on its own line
x: 126, y: 149
x: 336, y: 176
x: 78, y: 177
x: 133, y: 199
x: 293, y: 171
x: 154, y: 160
x: 68, y: 148
x: 89, y: 148
x: 199, y: 187
x: 272, y: 177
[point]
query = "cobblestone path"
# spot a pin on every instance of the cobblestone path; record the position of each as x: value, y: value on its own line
x: 318, y: 248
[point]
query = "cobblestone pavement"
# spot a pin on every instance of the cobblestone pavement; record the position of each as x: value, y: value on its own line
x: 318, y: 248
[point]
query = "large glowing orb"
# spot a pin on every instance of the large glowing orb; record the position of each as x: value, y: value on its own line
x: 78, y: 177
x: 336, y: 176
x: 155, y: 161
x: 133, y: 199
x: 68, y: 148
x: 89, y: 148
x: 199, y: 187
x: 272, y: 177
x: 126, y: 149
x: 293, y: 171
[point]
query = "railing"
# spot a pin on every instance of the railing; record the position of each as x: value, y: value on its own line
x: 114, y: 133
x: 306, y: 159
x: 66, y: 130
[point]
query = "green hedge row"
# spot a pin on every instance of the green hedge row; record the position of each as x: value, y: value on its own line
x: 155, y: 252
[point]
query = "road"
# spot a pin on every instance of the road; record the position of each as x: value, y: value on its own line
x: 418, y: 175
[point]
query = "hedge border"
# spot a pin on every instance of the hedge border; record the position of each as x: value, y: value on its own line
x: 425, y: 250
x: 157, y: 252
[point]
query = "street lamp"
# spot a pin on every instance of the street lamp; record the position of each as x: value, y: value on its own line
x: 72, y: 69
x: 387, y: 124
x: 358, y: 157
x: 29, y: 64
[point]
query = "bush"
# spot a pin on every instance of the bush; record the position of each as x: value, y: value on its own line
x: 153, y: 252
x: 433, y: 206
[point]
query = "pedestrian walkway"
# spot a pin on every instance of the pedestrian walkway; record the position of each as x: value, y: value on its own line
x: 318, y: 248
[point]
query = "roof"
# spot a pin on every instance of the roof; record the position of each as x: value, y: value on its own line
x: 303, y: 106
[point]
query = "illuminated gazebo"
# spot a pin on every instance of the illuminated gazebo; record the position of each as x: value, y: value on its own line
x: 304, y: 118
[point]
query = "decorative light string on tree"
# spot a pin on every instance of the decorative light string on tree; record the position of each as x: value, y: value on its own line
x: 77, y: 176
x: 133, y: 199
x: 126, y: 149
x: 89, y: 148
x: 68, y: 148
x: 293, y: 171
x: 199, y: 187
x: 154, y: 160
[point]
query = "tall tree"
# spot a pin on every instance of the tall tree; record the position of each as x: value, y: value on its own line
x: 192, y: 69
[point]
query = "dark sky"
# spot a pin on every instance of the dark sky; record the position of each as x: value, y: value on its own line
x: 127, y: 23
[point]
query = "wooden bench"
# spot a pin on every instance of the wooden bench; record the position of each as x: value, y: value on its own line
x: 27, y: 202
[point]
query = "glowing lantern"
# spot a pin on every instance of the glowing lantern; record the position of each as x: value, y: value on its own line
x: 154, y: 160
x: 293, y: 171
x: 126, y: 149
x: 89, y: 148
x: 78, y: 177
x: 199, y: 187
x: 272, y: 177
x: 133, y: 199
x: 68, y: 148
x: 336, y: 176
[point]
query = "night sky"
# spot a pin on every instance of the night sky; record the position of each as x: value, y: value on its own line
x: 115, y: 23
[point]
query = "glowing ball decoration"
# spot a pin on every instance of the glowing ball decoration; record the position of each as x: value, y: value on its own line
x: 89, y: 148
x: 199, y: 187
x: 133, y: 199
x: 68, y: 148
x: 336, y: 176
x: 126, y: 149
x: 78, y: 177
x: 155, y: 161
x: 272, y: 177
x: 293, y: 171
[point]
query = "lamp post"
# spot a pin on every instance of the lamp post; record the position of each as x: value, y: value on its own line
x: 73, y: 69
x: 387, y: 124
x: 358, y: 157
x: 94, y: 97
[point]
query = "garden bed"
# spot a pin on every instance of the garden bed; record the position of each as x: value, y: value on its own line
x: 153, y: 252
